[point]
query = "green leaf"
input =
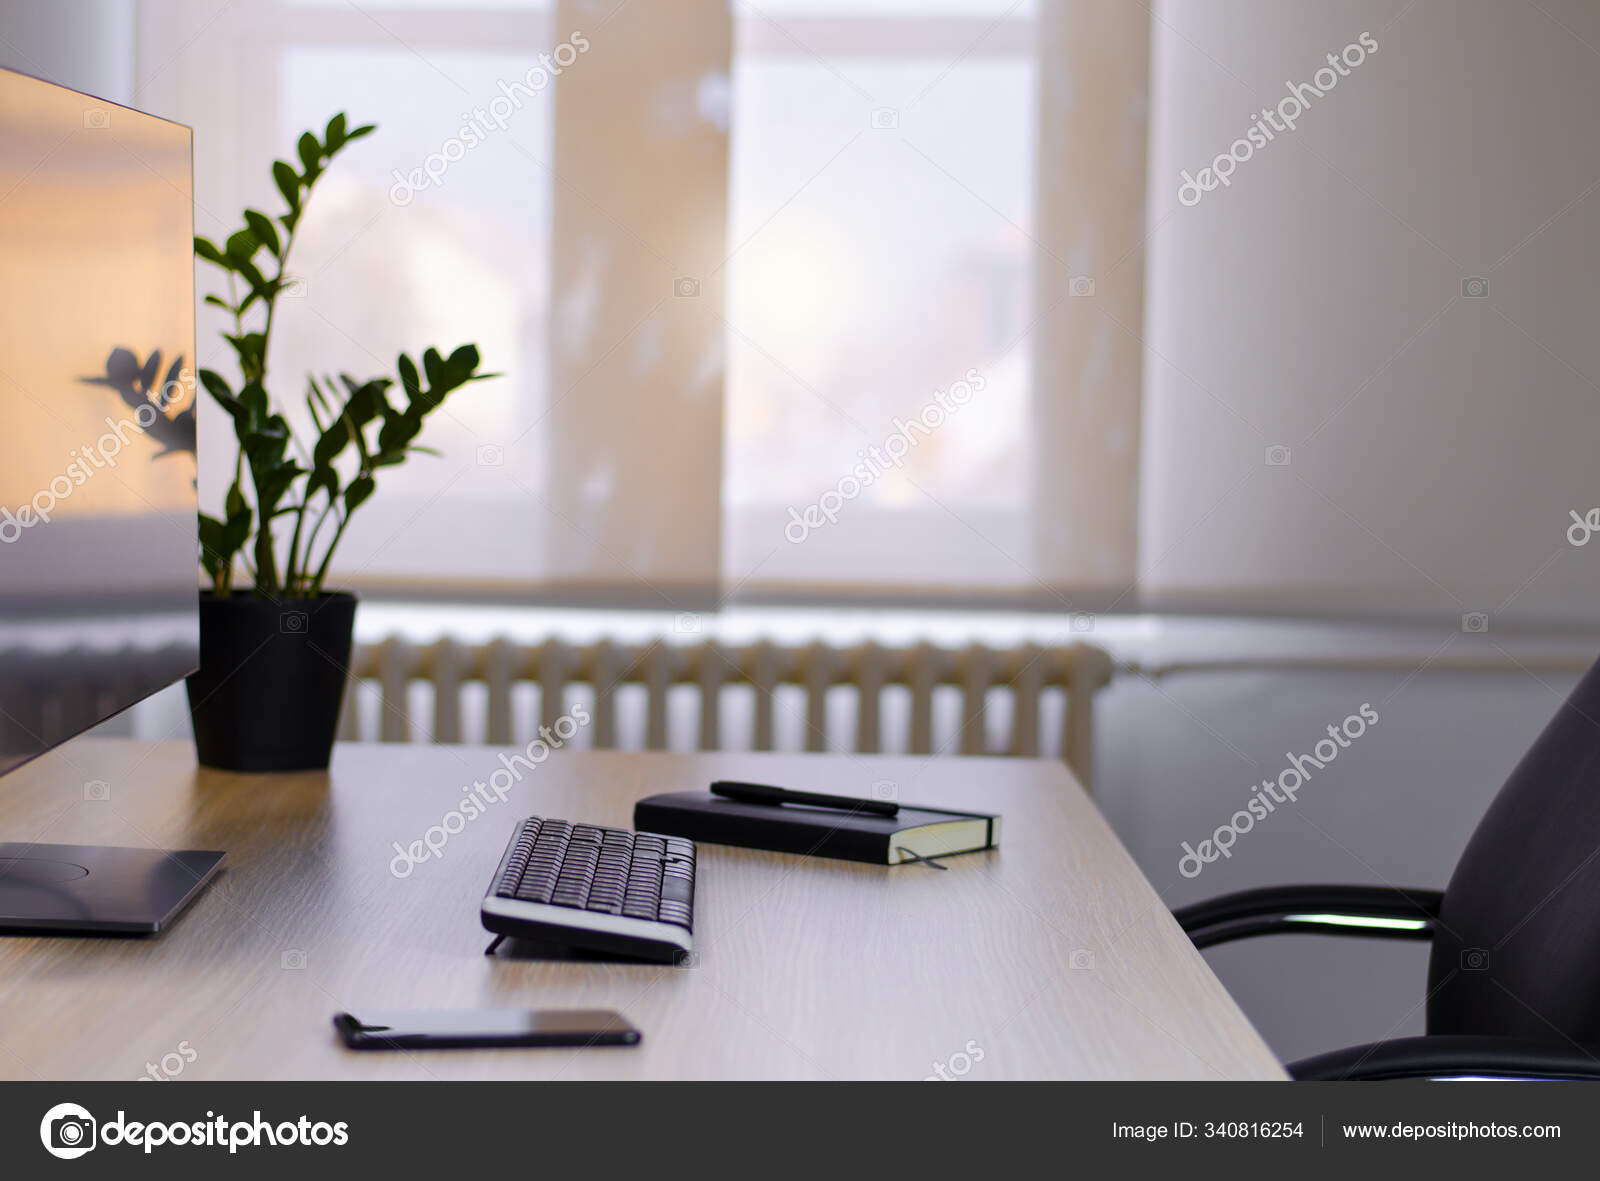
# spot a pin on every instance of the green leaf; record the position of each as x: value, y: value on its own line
x: 288, y: 181
x: 367, y: 400
x: 261, y: 226
x: 212, y: 547
x: 277, y: 483
x: 251, y: 349
x: 410, y: 380
x: 238, y: 530
x: 217, y: 386
x: 360, y: 488
x: 334, y: 135
x: 316, y: 391
x: 207, y: 249
x: 241, y: 246
x: 364, y: 129
x: 218, y: 301
x: 433, y: 366
x: 323, y: 479
x: 259, y: 287
x: 311, y: 405
x: 310, y: 155
x: 254, y: 399
x: 331, y: 443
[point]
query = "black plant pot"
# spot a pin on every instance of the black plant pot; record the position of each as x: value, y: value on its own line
x: 271, y: 680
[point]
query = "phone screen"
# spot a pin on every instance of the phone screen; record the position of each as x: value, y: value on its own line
x: 466, y: 1028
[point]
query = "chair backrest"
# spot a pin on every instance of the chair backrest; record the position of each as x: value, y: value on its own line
x: 1517, y: 952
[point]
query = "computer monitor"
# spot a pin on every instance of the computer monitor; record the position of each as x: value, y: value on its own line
x: 98, y: 574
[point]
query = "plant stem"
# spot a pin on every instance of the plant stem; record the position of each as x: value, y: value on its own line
x: 266, y: 559
x: 322, y: 571
x: 290, y: 571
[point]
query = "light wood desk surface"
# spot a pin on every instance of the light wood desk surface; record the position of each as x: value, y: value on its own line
x: 1051, y: 957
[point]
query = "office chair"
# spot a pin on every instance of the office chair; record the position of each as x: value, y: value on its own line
x: 1514, y: 975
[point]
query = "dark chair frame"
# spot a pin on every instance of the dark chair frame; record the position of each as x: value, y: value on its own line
x: 1382, y: 913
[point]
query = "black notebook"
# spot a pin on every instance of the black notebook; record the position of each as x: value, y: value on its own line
x: 916, y: 833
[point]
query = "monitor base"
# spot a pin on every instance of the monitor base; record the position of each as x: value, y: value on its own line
x: 98, y: 889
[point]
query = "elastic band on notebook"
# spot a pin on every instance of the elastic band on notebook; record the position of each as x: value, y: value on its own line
x: 928, y: 861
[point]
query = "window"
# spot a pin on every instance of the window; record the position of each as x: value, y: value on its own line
x: 388, y: 264
x: 881, y: 210
x: 767, y: 284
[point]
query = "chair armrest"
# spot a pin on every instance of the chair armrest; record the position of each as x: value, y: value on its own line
x: 1454, y: 1056
x: 1370, y: 911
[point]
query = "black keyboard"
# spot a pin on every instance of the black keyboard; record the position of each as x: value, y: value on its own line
x: 599, y: 889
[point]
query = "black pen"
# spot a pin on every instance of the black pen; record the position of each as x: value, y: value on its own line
x: 761, y: 793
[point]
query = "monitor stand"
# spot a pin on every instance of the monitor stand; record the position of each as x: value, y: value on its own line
x: 98, y: 889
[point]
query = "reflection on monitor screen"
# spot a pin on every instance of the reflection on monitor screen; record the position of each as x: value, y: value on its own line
x: 97, y: 467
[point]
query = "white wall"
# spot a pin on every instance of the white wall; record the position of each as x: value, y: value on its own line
x: 84, y: 44
x: 1436, y: 442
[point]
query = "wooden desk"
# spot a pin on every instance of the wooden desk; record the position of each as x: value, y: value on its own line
x: 1049, y: 958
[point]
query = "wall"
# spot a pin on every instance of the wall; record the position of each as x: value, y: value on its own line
x: 84, y: 44
x: 1437, y: 430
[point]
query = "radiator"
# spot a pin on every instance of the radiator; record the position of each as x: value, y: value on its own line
x: 1025, y: 673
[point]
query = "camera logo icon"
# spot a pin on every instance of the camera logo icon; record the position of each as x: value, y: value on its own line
x: 491, y: 455
x: 1475, y: 622
x: 67, y: 1131
x: 1080, y: 286
x: 1277, y: 455
x: 97, y: 119
x: 293, y: 288
x: 293, y: 623
x: 885, y: 789
x: 97, y: 791
x: 1474, y: 287
x: 885, y: 119
x: 686, y: 623
x: 686, y: 288
x: 1082, y: 960
x: 1082, y: 621
x: 1474, y: 959
x: 293, y: 960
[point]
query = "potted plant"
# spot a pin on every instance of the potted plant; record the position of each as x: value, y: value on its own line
x: 275, y: 652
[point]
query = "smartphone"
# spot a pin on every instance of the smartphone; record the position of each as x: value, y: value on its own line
x: 440, y: 1029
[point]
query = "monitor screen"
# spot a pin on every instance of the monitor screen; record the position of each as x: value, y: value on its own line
x: 98, y: 578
